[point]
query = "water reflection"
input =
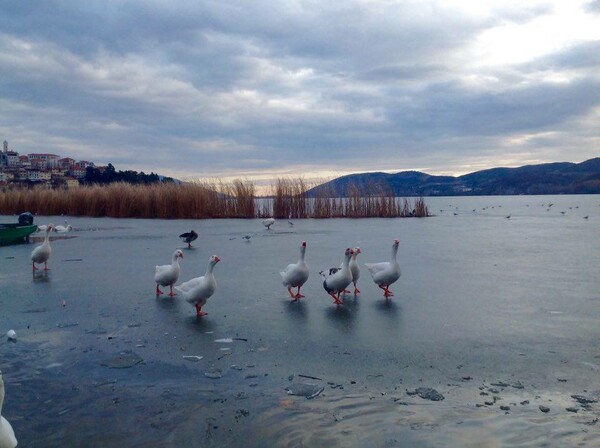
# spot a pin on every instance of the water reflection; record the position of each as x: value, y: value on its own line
x: 168, y: 303
x: 199, y: 324
x: 297, y: 311
x: 389, y: 314
x: 40, y: 276
x: 344, y: 316
x: 388, y: 306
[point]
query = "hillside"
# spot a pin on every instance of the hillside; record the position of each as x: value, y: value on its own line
x: 547, y: 178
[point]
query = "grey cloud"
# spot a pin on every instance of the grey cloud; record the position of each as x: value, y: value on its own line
x: 582, y: 56
x: 594, y: 6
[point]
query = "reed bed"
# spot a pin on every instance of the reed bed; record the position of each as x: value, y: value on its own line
x: 290, y: 199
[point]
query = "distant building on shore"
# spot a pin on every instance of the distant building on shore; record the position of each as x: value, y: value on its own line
x: 43, y: 170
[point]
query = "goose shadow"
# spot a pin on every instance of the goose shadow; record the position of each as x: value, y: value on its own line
x: 391, y: 312
x: 40, y: 276
x: 343, y: 316
x: 350, y: 300
x: 388, y: 306
x: 296, y: 310
x: 167, y: 303
x: 199, y: 324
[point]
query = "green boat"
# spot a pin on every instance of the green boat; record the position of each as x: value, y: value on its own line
x: 15, y: 233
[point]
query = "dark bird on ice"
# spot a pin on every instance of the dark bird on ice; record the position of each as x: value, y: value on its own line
x: 188, y: 237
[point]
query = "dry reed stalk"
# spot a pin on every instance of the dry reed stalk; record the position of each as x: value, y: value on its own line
x: 210, y: 200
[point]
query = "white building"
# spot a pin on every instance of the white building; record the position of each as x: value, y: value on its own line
x: 77, y: 172
x: 12, y: 158
x: 71, y: 183
x: 37, y: 175
x: 66, y: 163
x: 51, y: 160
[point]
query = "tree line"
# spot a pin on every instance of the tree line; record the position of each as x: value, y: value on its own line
x: 110, y: 175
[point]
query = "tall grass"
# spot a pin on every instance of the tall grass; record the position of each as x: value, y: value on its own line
x: 290, y: 199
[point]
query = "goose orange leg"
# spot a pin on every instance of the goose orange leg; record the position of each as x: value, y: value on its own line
x: 46, y: 268
x: 171, y: 294
x: 199, y: 311
x: 386, y: 291
x: 336, y: 299
x: 158, y: 291
x: 292, y: 295
x: 298, y: 295
x: 33, y: 265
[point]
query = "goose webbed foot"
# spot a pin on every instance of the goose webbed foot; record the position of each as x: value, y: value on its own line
x: 199, y: 312
x: 336, y: 299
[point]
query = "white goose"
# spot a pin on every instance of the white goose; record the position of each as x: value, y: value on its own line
x: 63, y: 229
x: 268, y: 223
x: 42, y: 253
x: 42, y: 228
x: 198, y: 290
x: 295, y: 275
x: 386, y: 273
x: 167, y: 275
x: 355, y: 269
x: 337, y: 279
x: 7, y: 435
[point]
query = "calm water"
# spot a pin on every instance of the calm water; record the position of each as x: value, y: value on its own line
x: 488, y: 309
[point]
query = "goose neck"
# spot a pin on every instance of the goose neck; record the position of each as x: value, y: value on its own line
x: 209, y: 268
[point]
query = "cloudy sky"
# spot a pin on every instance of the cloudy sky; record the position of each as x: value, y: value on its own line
x: 257, y: 89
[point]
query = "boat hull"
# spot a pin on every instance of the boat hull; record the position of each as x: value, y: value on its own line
x: 15, y: 233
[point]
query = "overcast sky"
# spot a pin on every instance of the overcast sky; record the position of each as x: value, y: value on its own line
x: 313, y: 88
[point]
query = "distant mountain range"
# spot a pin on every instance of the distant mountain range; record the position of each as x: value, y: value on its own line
x: 547, y: 178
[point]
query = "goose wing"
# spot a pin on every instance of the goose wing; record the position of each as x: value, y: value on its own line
x: 190, y: 284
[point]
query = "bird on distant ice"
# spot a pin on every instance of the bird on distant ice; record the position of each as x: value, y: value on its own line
x: 41, y: 254
x: 188, y: 237
x: 290, y: 223
x: 336, y: 280
x: 63, y: 229
x: 386, y: 273
x: 268, y: 223
x: 198, y: 290
x: 168, y: 274
x: 296, y: 274
x: 586, y: 217
x: 247, y: 238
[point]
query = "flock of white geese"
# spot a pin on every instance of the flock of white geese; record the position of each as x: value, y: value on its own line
x: 198, y: 290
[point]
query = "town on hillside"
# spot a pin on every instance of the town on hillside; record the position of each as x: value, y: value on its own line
x: 41, y: 170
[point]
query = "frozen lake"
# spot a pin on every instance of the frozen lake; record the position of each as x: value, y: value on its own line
x: 489, y: 309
